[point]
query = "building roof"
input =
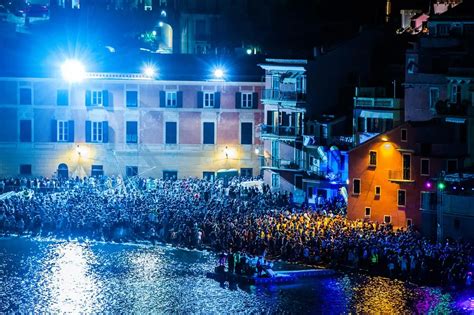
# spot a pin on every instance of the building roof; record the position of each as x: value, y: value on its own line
x: 26, y: 62
x: 461, y: 12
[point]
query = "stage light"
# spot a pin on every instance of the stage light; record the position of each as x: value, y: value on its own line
x: 218, y: 73
x: 257, y: 151
x: 73, y: 70
x: 149, y: 71
x: 441, y: 186
x: 384, y: 139
x: 428, y: 185
x: 249, y: 51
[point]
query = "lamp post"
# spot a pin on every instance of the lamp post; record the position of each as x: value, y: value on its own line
x: 439, y: 210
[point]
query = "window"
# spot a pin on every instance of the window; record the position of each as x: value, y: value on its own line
x: 132, y: 132
x: 25, y: 131
x: 411, y: 65
x: 25, y: 96
x: 425, y: 167
x: 455, y: 91
x: 171, y: 175
x: 247, y: 100
x: 367, y: 212
x: 208, y: 99
x: 378, y: 191
x: 406, y: 167
x: 401, y: 200
x: 97, y: 132
x: 131, y: 98
x: 457, y: 224
x: 97, y: 170
x: 275, y: 181
x: 209, y: 176
x: 246, y: 172
x: 387, y: 219
x: 63, y: 131
x: 404, y: 135
x: 298, y: 181
x: 171, y: 99
x: 25, y: 169
x: 310, y: 192
x: 97, y: 98
x: 62, y: 98
x: 442, y: 29
x: 246, y: 133
x: 372, y: 158
x: 324, y: 131
x: 131, y: 171
x: 409, y: 222
x: 171, y: 132
x: 356, y: 186
x: 434, y: 97
x: 451, y: 166
x: 276, y: 82
x: 208, y: 133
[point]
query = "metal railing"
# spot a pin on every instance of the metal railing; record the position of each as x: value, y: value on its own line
x: 282, y: 164
x: 399, y: 175
x: 376, y: 102
x: 281, y: 130
x: 291, y: 96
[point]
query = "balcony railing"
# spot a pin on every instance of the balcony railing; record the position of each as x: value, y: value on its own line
x: 289, y: 96
x: 400, y: 175
x: 285, y: 131
x: 282, y: 164
x: 376, y: 102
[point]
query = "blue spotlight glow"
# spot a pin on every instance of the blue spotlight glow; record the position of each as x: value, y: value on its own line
x: 73, y: 70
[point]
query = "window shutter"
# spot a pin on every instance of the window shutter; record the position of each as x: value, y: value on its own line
x: 238, y: 100
x: 105, y: 98
x: 200, y: 99
x: 88, y: 98
x: 70, y: 135
x: 179, y: 98
x: 255, y: 100
x: 88, y: 131
x: 217, y: 100
x: 54, y: 130
x: 162, y: 99
x: 105, y: 130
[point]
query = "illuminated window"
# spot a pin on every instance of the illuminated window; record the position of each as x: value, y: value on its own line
x: 63, y: 131
x: 401, y: 199
x: 356, y: 186
x: 373, y: 158
x: 378, y: 191
x: 97, y: 98
x: 171, y: 99
x: 247, y: 100
x: 208, y: 100
x: 425, y: 167
x: 97, y: 131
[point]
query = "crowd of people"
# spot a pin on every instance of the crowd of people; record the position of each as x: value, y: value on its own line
x: 228, y: 216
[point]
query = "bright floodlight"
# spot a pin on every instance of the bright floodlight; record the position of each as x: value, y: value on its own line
x: 149, y: 71
x: 249, y: 51
x: 73, y: 70
x: 219, y: 73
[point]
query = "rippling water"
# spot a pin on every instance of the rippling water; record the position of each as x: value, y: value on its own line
x: 63, y: 277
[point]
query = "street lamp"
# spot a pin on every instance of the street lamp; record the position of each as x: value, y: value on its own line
x: 149, y: 70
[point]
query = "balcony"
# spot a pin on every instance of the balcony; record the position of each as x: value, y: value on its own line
x: 289, y: 132
x: 377, y: 102
x: 281, y: 164
x: 284, y: 96
x: 401, y: 176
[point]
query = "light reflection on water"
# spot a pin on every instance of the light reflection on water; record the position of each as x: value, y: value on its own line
x: 71, y: 277
x: 67, y: 282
